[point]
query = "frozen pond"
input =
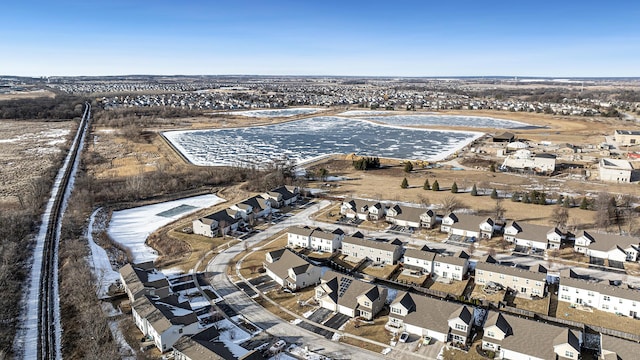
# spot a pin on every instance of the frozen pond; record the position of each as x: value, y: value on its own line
x: 449, y: 120
x: 308, y: 139
x: 276, y: 112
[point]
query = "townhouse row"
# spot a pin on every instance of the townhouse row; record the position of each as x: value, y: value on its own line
x: 226, y: 220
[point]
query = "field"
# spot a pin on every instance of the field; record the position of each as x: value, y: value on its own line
x: 27, y: 150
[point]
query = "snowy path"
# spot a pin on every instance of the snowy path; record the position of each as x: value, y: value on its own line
x: 99, y: 261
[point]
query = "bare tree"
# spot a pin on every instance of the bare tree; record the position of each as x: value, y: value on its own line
x: 499, y: 210
x: 484, y: 185
x: 424, y: 201
x: 560, y: 217
x: 605, y: 206
x: 451, y: 203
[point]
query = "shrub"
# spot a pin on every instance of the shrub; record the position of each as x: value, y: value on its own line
x: 405, y: 183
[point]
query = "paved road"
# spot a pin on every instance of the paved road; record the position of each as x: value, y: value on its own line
x: 263, y: 318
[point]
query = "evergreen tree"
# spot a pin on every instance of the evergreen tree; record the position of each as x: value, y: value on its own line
x: 405, y: 183
x: 584, y: 205
x: 408, y: 167
x: 474, y: 190
x: 426, y: 185
x: 435, y: 186
x: 494, y: 194
x: 454, y: 188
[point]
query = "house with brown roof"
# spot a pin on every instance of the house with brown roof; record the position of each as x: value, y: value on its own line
x: 164, y: 320
x: 533, y: 236
x: 410, y: 216
x: 468, y: 226
x: 380, y: 252
x: 608, y: 246
x: 290, y: 270
x: 314, y: 238
x: 614, y: 299
x: 220, y: 222
x: 143, y: 279
x: 424, y: 316
x: 362, y: 209
x: 525, y: 283
x: 612, y: 348
x: 511, y: 337
x: 350, y: 296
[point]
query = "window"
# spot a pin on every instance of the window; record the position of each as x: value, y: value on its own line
x: 606, y: 298
x: 367, y: 304
x: 605, y: 306
x: 437, y: 264
x: 461, y: 327
x: 590, y: 293
x: 491, y: 334
x: 568, y: 354
x: 564, y: 288
x: 501, y: 276
x: 565, y: 297
x: 480, y: 272
x: 396, y: 310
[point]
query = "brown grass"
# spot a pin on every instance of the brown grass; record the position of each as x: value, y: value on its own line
x: 381, y: 272
x: 540, y: 306
x: 274, y: 309
x: 479, y: 294
x: 598, y: 318
x: 456, y: 288
x: 375, y: 331
x: 361, y: 344
x: 290, y: 301
x: 416, y: 280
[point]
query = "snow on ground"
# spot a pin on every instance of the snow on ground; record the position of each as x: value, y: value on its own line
x: 232, y: 335
x: 99, y: 261
x: 131, y: 227
x: 301, y: 352
x: 449, y: 120
x: 391, y: 295
x: 125, y: 350
x: 313, y: 138
x: 269, y: 113
x: 365, y: 113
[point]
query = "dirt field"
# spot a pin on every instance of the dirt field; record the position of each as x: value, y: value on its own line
x: 27, y: 95
x: 27, y: 149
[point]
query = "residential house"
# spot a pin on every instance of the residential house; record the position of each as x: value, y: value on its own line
x: 362, y: 209
x: 419, y: 259
x: 524, y: 160
x: 470, y: 226
x: 608, y: 246
x: 350, y: 296
x: 424, y: 316
x: 604, y: 297
x: 524, y: 282
x: 533, y: 236
x: 221, y: 222
x: 164, y: 320
x: 283, y: 195
x: 207, y: 345
x: 254, y: 207
x: 381, y: 252
x: 615, y: 170
x: 290, y: 270
x: 451, y: 267
x: 613, y: 348
x: 143, y: 279
x: 410, y: 216
x: 515, y: 338
x: 315, y: 239
x: 626, y: 137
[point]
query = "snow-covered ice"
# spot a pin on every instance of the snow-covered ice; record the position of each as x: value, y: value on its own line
x: 308, y: 139
x: 99, y: 261
x: 449, y: 120
x: 131, y: 227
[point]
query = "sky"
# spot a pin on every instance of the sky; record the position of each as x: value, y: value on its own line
x: 561, y: 38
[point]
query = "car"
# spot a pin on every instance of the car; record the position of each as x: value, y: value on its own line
x: 404, y: 337
x: 277, y: 347
x: 426, y: 340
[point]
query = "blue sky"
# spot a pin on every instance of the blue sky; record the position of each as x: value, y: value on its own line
x: 392, y: 38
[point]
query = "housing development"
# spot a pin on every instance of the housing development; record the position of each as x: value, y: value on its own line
x: 329, y: 218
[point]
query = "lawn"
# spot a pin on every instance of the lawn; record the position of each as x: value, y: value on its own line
x: 199, y: 246
x: 481, y: 295
x: 456, y: 288
x: 598, y: 318
x: 375, y: 331
x: 274, y: 309
x: 451, y: 353
x: 362, y: 344
x: 406, y: 277
x: 290, y: 300
x: 540, y: 306
x: 382, y: 272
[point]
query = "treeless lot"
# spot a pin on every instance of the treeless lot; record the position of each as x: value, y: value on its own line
x: 598, y: 318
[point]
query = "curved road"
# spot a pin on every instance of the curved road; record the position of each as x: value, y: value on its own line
x: 263, y: 318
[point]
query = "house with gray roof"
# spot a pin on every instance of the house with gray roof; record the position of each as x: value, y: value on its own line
x: 283, y: 195
x: 419, y: 259
x: 290, y: 270
x: 411, y: 216
x: 350, y: 296
x: 424, y: 316
x: 164, y: 320
x: 207, y: 345
x: 362, y: 209
x: 380, y: 252
x: 525, y: 283
x: 608, y: 246
x: 314, y: 238
x: 143, y: 279
x: 468, y: 226
x: 451, y: 267
x: 220, y: 222
x: 254, y: 207
x: 533, y: 236
x: 511, y: 337
x: 614, y: 299
x: 612, y: 348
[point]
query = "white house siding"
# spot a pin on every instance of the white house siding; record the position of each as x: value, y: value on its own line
x: 512, y: 355
x: 200, y: 228
x: 426, y: 265
x: 346, y: 311
x: 417, y: 330
x: 407, y: 223
x: 454, y: 272
x: 171, y: 335
x: 467, y: 233
x: 531, y: 244
x: 275, y: 277
x: 599, y: 301
x: 298, y: 240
